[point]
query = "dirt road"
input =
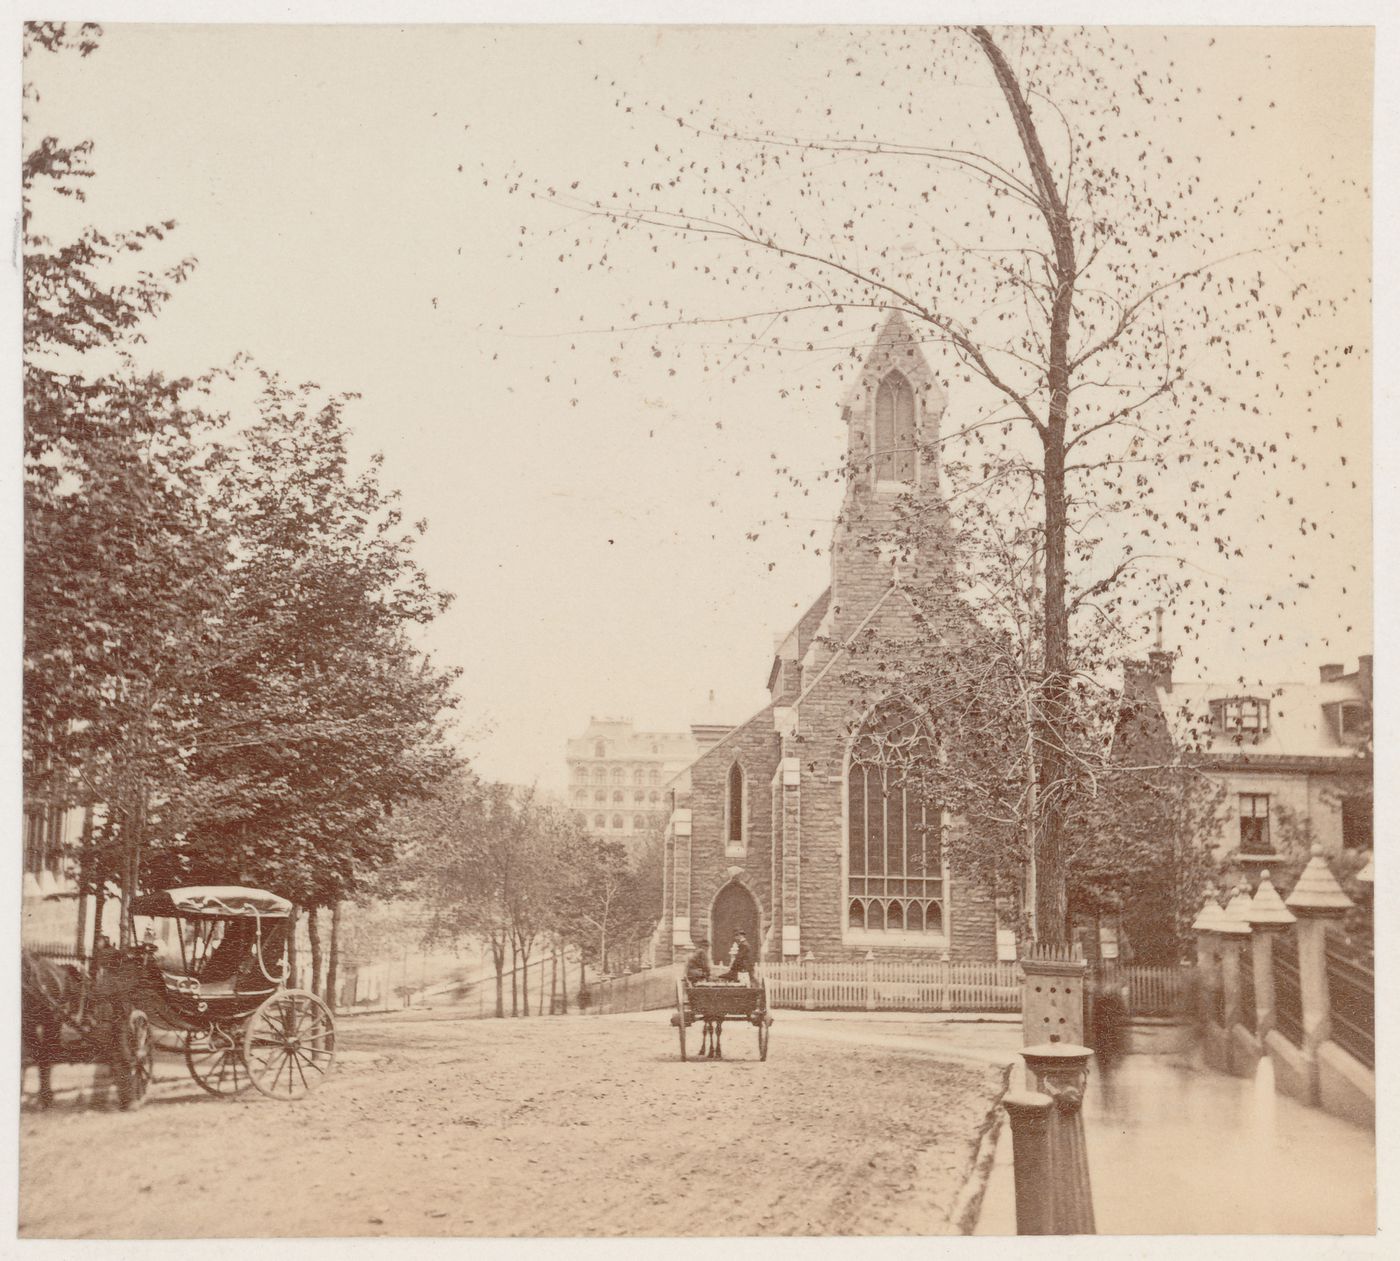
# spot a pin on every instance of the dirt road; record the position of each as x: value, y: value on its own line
x: 441, y: 1126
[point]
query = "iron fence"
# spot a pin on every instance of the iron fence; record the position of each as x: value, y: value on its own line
x: 1351, y: 987
x: 1288, y: 992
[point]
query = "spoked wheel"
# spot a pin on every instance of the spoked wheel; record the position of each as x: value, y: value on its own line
x: 679, y: 1018
x: 215, y: 1061
x: 289, y: 1044
x: 137, y: 1053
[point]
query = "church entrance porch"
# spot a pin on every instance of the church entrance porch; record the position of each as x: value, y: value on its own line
x: 734, y: 911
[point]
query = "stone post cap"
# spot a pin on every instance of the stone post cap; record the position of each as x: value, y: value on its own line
x: 1266, y: 908
x: 1317, y: 891
x: 1235, y: 916
x: 1056, y: 1057
x: 1211, y: 915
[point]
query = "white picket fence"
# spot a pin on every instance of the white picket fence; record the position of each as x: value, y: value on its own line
x: 895, y: 985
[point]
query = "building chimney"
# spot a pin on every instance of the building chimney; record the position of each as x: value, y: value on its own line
x: 1331, y: 672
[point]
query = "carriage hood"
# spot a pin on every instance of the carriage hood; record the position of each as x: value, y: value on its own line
x: 212, y: 902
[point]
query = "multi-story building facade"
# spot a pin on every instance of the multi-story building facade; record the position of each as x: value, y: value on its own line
x: 1293, y: 760
x: 618, y: 777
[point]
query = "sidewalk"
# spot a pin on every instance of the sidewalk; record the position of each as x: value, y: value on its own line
x: 1172, y: 1150
x: 1176, y: 1151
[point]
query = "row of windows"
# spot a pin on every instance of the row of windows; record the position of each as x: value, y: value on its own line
x: 601, y: 775
x: 43, y: 840
x: 1256, y: 835
x: 618, y: 796
x: 601, y: 749
x: 640, y: 822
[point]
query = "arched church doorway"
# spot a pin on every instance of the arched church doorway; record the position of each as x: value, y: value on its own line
x: 734, y: 910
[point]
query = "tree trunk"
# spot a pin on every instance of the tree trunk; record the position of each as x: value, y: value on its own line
x: 514, y: 982
x: 313, y: 935
x: 85, y: 857
x: 1052, y: 912
x: 292, y: 948
x: 333, y: 961
x: 554, y: 981
x: 498, y: 958
x: 524, y: 956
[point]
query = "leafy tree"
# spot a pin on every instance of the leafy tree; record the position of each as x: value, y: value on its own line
x: 123, y: 554
x: 327, y: 719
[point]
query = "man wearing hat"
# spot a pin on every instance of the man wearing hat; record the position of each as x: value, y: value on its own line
x: 697, y: 967
x: 742, y: 961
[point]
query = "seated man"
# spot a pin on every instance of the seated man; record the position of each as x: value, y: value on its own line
x: 697, y: 967
x: 743, y: 959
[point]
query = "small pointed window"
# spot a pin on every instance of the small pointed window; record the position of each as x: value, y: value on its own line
x: 734, y: 808
x: 894, y: 430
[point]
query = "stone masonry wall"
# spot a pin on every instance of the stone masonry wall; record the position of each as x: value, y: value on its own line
x: 755, y: 747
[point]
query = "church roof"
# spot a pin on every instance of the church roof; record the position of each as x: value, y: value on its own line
x: 795, y: 643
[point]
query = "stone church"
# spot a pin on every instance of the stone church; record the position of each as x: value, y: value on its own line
x: 795, y: 827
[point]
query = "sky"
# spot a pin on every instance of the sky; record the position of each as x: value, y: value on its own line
x: 592, y: 499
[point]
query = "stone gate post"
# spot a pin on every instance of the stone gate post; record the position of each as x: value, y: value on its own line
x: 1316, y: 898
x: 1267, y: 917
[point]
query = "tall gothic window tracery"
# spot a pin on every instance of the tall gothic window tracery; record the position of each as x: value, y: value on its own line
x: 894, y: 873
x: 894, y: 448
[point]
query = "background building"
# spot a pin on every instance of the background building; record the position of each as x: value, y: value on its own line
x: 1293, y: 759
x: 618, y: 776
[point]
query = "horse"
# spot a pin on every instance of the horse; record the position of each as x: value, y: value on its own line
x: 50, y: 992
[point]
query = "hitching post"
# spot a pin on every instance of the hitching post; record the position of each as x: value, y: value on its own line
x: 1060, y: 1071
x: 1029, y: 1112
x: 869, y: 980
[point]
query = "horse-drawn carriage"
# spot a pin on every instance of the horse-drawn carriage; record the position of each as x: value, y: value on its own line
x: 223, y: 996
x: 714, y: 1002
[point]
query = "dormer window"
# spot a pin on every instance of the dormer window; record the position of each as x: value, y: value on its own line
x: 1352, y: 722
x: 894, y: 430
x: 1240, y: 716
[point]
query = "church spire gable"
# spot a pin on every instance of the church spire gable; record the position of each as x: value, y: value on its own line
x: 892, y: 417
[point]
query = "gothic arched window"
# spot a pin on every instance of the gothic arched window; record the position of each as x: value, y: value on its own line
x: 638, y: 775
x: 617, y: 775
x: 600, y: 749
x: 893, y: 448
x: 599, y: 821
x: 617, y: 821
x: 600, y: 776
x: 894, y: 873
x: 638, y: 822
x: 734, y: 808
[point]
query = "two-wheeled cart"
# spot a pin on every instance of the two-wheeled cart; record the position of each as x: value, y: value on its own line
x: 714, y: 1002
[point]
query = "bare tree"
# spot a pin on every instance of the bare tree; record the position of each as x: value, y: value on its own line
x: 1081, y: 280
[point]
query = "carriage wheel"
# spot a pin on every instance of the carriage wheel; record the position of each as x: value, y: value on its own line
x: 215, y: 1061
x: 680, y: 1015
x: 136, y: 1061
x: 289, y: 1044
